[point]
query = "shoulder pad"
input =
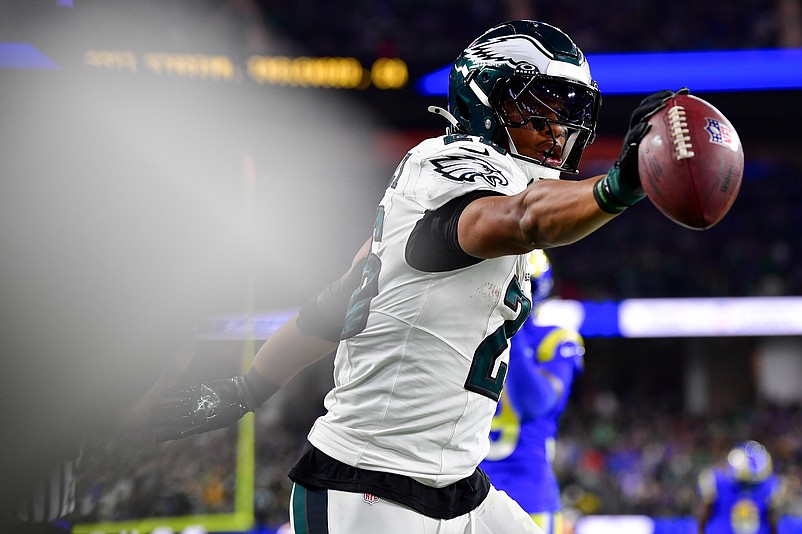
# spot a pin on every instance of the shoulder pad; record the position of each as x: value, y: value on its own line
x: 468, y: 146
x: 563, y: 343
x: 452, y: 169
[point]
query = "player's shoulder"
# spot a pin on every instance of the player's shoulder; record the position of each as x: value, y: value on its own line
x: 456, y: 153
x: 555, y: 335
x: 558, y: 344
x: 443, y: 168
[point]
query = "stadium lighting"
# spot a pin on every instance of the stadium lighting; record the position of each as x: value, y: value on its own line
x: 629, y: 318
x: 702, y: 71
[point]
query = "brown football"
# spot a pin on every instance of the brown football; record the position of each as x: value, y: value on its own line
x: 691, y: 162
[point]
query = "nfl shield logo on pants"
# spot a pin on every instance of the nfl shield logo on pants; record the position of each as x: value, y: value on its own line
x: 370, y: 498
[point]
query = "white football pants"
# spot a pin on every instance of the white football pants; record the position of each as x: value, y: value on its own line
x: 340, y: 512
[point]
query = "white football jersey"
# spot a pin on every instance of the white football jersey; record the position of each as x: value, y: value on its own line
x: 416, y: 387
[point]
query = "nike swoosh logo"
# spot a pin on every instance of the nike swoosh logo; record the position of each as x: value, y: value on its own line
x: 483, y: 152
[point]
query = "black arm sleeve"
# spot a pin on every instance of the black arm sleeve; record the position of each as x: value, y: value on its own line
x: 323, y: 315
x: 433, y: 245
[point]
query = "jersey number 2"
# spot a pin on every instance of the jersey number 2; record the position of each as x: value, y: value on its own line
x: 486, y: 376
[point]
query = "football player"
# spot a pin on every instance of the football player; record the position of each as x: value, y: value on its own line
x: 421, y: 321
x: 544, y: 361
x: 743, y: 497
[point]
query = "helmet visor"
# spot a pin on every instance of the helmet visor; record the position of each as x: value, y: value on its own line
x: 563, y: 110
x: 533, y: 101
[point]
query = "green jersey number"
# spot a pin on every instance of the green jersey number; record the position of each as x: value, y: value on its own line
x: 484, y: 378
x: 356, y: 318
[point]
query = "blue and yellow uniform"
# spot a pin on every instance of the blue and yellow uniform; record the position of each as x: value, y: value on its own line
x: 544, y: 360
x: 743, y: 497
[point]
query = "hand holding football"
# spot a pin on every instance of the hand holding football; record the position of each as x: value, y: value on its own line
x: 691, y: 162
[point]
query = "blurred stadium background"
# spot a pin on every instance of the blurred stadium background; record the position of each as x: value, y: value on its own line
x: 177, y: 176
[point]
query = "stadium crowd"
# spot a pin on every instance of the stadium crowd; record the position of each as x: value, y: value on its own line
x: 371, y: 29
x: 624, y: 459
x: 754, y: 251
x: 612, y: 458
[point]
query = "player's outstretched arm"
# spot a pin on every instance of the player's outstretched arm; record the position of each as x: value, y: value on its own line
x: 552, y: 213
x: 208, y: 406
x: 217, y: 404
x: 306, y: 338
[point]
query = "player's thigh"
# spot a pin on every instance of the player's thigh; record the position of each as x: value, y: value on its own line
x: 341, y: 512
x: 499, y: 513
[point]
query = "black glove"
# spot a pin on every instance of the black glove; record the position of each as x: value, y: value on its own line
x: 208, y: 406
x: 621, y: 188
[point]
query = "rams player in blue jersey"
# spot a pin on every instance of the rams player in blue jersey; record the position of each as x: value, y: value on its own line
x: 544, y: 360
x: 743, y: 497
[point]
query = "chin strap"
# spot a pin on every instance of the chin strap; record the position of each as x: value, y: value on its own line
x: 446, y: 115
